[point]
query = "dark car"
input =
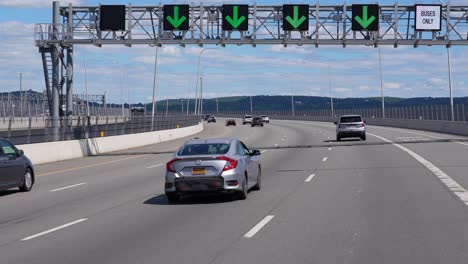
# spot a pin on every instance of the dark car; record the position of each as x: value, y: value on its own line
x: 230, y: 122
x: 211, y: 119
x: 257, y: 121
x: 16, y: 169
x: 205, y: 117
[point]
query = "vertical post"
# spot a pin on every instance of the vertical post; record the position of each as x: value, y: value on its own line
x: 381, y: 85
x: 201, y: 95
x: 154, y: 88
x: 331, y: 95
x: 55, y: 71
x: 292, y: 105
x: 167, y: 105
x: 450, y: 82
x: 69, y: 68
x: 217, y: 109
x: 251, y: 106
x: 21, y: 93
x: 86, y: 86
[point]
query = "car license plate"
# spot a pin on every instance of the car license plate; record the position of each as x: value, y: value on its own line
x: 198, y: 171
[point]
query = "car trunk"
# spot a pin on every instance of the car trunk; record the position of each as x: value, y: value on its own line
x: 199, y: 166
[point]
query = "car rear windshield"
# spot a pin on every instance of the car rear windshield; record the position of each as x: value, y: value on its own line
x: 264, y: 116
x: 204, y: 149
x: 248, y: 116
x: 350, y: 119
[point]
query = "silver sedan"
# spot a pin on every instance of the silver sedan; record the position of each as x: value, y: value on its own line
x: 213, y: 165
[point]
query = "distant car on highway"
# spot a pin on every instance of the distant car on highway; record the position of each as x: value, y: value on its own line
x: 247, y: 119
x: 257, y: 121
x: 205, y: 117
x: 213, y: 165
x: 211, y: 119
x: 230, y: 122
x: 350, y: 126
x: 266, y: 119
x: 16, y: 170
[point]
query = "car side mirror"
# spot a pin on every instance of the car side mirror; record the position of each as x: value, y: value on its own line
x: 336, y: 123
x: 20, y: 152
x: 255, y: 152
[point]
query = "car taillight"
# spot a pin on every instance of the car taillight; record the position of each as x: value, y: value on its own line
x: 230, y: 163
x: 363, y: 125
x: 170, y: 165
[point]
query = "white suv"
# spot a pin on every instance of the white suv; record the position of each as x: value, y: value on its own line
x: 247, y: 119
x: 350, y: 126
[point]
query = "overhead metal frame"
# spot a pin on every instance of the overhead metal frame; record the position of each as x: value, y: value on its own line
x: 329, y: 25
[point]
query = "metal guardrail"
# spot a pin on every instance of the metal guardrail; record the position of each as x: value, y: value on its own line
x: 420, y: 112
x: 85, y: 127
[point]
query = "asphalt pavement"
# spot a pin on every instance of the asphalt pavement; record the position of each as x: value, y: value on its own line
x: 396, y: 198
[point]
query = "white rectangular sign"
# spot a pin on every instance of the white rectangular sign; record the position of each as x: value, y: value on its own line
x: 428, y: 17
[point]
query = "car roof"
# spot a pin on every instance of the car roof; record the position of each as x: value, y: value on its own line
x: 210, y: 140
x: 350, y: 115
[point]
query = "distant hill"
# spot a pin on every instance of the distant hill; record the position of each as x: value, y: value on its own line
x: 278, y: 102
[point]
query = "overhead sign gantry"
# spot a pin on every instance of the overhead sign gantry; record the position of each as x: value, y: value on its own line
x: 239, y: 24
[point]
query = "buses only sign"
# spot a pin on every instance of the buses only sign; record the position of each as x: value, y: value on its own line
x: 428, y: 17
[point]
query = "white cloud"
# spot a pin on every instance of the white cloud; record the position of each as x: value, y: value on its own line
x: 36, y: 3
x: 392, y: 85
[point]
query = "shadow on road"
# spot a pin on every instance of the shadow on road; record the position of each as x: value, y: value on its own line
x: 8, y: 192
x: 192, y: 199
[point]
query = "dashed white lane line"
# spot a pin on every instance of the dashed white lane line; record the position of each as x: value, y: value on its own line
x: 456, y: 188
x: 282, y: 139
x: 310, y: 178
x: 54, y: 229
x: 325, y: 159
x: 154, y: 166
x: 263, y: 151
x: 68, y: 187
x: 329, y: 148
x: 258, y: 226
x: 276, y: 145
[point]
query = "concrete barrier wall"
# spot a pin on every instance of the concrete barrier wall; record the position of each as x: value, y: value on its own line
x: 446, y: 127
x: 62, y: 150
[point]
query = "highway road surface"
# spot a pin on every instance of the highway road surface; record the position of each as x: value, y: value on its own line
x: 399, y: 197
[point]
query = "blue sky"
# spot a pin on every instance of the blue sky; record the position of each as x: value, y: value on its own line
x: 271, y: 70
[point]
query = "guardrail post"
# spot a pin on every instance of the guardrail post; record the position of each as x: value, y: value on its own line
x: 9, y: 127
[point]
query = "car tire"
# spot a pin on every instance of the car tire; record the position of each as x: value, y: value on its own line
x: 245, y: 189
x: 338, y: 138
x: 258, y: 186
x: 172, y: 197
x: 27, y: 181
x: 262, y: 125
x: 363, y: 137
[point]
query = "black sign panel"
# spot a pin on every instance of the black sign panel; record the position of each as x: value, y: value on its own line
x: 112, y: 17
x: 176, y: 17
x: 365, y: 18
x: 236, y: 17
x: 296, y: 17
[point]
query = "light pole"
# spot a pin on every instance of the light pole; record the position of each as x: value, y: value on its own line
x: 198, y: 76
x: 21, y: 92
x: 154, y: 88
x: 450, y: 83
x: 330, y: 88
x: 381, y: 85
x: 251, y: 106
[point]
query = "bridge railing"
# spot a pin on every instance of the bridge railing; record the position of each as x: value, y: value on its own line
x: 82, y: 127
x: 420, y: 112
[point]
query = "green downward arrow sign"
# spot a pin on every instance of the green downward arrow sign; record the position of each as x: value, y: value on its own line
x: 176, y: 21
x: 296, y: 22
x: 235, y: 20
x: 365, y: 21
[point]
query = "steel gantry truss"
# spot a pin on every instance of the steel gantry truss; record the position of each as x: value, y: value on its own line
x: 328, y: 25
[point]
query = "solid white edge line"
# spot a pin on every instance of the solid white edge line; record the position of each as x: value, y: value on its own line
x: 325, y: 159
x: 54, y: 229
x: 68, y: 187
x: 456, y: 188
x: 310, y: 178
x: 258, y: 226
x: 157, y: 165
